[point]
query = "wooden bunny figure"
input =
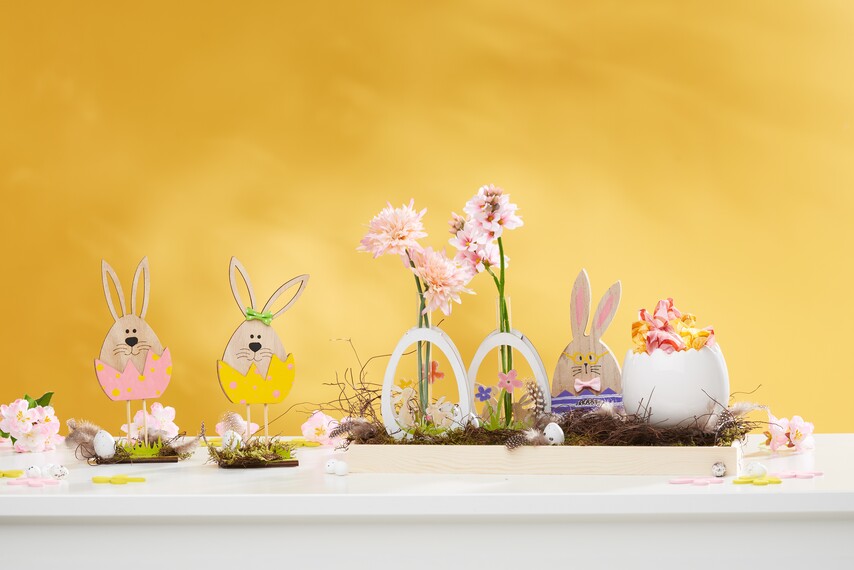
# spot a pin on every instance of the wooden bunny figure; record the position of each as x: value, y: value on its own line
x: 587, y: 369
x: 255, y: 368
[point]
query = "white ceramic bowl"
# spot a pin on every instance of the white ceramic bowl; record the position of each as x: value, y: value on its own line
x: 676, y: 387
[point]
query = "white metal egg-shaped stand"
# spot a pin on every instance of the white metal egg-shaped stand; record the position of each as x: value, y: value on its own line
x: 523, y: 346
x: 443, y: 342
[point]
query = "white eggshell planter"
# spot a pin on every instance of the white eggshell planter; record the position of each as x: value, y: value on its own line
x: 675, y: 388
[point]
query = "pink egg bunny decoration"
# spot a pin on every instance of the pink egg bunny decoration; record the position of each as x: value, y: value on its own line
x: 133, y: 365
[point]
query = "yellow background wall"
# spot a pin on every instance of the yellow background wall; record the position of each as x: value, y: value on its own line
x: 698, y: 150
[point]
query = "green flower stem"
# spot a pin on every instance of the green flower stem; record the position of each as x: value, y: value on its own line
x: 423, y: 321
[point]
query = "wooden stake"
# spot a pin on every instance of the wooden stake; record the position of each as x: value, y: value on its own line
x: 144, y: 423
x: 266, y: 425
x: 248, y: 423
x: 128, y: 410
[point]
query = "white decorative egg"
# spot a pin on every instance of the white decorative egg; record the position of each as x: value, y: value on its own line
x: 330, y: 466
x: 231, y: 440
x: 57, y: 471
x: 104, y: 444
x: 719, y: 469
x: 34, y: 471
x: 554, y: 434
x: 755, y: 469
x: 341, y: 468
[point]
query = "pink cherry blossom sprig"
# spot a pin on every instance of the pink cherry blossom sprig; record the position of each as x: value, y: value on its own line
x: 478, y: 239
x: 161, y: 421
x: 31, y: 424
x: 795, y: 433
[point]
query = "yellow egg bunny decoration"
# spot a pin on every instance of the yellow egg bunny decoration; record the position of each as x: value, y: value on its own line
x: 255, y: 368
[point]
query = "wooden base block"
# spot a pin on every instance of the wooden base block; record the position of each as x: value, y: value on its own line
x: 545, y: 460
x: 282, y: 463
x: 158, y: 459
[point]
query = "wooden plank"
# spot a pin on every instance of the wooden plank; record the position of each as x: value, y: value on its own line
x: 155, y: 459
x: 551, y: 460
x: 282, y: 463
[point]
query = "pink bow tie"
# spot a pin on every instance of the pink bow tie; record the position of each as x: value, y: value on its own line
x: 594, y: 384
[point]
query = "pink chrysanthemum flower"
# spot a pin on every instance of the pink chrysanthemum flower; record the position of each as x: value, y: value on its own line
x: 394, y: 231
x: 444, y: 278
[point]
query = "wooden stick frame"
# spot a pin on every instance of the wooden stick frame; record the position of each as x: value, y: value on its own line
x: 523, y: 346
x: 438, y: 338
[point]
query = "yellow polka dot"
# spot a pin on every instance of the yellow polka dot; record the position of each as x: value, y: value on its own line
x: 99, y: 367
x: 152, y: 370
x: 128, y: 389
x: 157, y: 393
x: 116, y: 392
x: 118, y: 375
x: 141, y: 377
x: 169, y: 370
x: 155, y: 357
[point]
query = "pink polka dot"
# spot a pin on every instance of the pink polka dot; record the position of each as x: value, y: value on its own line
x: 242, y: 401
x: 233, y: 385
x: 290, y: 366
x: 276, y: 393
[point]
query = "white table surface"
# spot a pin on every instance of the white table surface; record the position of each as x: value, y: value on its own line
x: 310, y: 510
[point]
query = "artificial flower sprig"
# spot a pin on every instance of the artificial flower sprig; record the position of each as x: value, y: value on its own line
x: 161, y: 420
x: 791, y: 433
x: 31, y: 424
x: 478, y: 238
x: 439, y: 279
x: 669, y: 330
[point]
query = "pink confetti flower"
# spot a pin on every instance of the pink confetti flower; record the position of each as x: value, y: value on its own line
x: 800, y: 434
x: 394, y: 231
x: 509, y: 381
x: 444, y: 278
x: 318, y: 427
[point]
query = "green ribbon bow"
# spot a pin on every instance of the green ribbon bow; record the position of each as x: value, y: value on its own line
x: 265, y: 318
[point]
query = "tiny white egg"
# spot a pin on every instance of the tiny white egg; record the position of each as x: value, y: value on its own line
x: 719, y: 469
x: 341, y: 468
x: 104, y: 444
x: 554, y: 434
x: 57, y: 471
x: 34, y: 471
x: 755, y: 469
x: 474, y: 421
x: 330, y: 466
x: 231, y: 440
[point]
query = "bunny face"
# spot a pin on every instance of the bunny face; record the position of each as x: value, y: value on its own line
x: 130, y: 338
x: 255, y: 341
x: 587, y: 363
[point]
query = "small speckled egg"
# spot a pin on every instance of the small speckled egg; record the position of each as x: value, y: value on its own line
x: 57, y: 471
x: 554, y: 434
x: 104, y: 444
x: 341, y: 468
x: 33, y: 472
x: 719, y: 469
x: 231, y: 440
x: 330, y: 466
x: 755, y: 469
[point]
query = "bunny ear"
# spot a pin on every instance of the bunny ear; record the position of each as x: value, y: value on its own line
x: 579, y: 305
x: 606, y: 310
x: 141, y: 270
x: 233, y: 266
x: 107, y: 275
x: 301, y: 280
